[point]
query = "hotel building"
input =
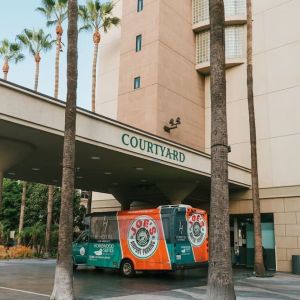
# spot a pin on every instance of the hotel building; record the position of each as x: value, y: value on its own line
x: 155, y: 67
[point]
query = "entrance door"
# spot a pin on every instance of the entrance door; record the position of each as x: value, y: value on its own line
x: 80, y: 248
x: 183, y: 248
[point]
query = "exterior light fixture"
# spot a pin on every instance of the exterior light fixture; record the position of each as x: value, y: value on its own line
x: 35, y: 169
x: 95, y: 157
x: 139, y: 169
x: 173, y: 125
x: 107, y: 173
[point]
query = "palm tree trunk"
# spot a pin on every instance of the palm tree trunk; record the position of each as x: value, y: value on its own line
x: 22, y: 212
x: 63, y: 284
x: 220, y: 283
x: 49, y: 220
x: 89, y: 202
x: 37, y: 71
x: 258, y: 260
x: 57, y: 56
x: 1, y: 189
x: 5, y: 68
x: 94, y: 78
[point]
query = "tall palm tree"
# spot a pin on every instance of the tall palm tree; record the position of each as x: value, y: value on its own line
x: 220, y: 283
x: 96, y: 16
x: 56, y: 13
x: 259, y: 268
x: 22, y: 211
x: 10, y: 52
x: 37, y: 42
x: 49, y: 220
x: 63, y: 283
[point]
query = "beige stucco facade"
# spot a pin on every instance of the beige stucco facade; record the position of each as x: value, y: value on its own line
x: 174, y: 84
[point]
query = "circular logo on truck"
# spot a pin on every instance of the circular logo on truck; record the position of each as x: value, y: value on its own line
x: 143, y: 237
x: 197, y: 229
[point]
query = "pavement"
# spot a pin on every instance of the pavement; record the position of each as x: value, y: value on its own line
x: 33, y: 279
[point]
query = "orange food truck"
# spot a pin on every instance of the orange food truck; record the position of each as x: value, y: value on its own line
x: 170, y: 237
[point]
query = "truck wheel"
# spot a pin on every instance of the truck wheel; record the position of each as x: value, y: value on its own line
x: 75, y: 266
x: 127, y: 268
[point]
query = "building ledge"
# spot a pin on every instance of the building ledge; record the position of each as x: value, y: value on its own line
x: 232, y: 20
x: 204, y: 68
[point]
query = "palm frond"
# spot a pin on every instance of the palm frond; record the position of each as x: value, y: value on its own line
x: 86, y: 27
x: 19, y: 57
x: 51, y: 22
x: 11, y: 51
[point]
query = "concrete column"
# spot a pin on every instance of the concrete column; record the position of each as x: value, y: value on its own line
x: 122, y: 196
x: 176, y: 192
x: 1, y: 189
x: 125, y: 205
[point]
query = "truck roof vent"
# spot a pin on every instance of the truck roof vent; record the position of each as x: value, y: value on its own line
x: 174, y: 206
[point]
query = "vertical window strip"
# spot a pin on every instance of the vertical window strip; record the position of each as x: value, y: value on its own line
x: 234, y: 44
x: 140, y: 5
x: 235, y: 7
x: 138, y: 43
x: 200, y: 11
x: 137, y: 82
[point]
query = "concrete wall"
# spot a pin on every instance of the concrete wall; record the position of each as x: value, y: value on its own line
x: 276, y: 89
x: 108, y: 69
x: 286, y: 211
x: 170, y: 86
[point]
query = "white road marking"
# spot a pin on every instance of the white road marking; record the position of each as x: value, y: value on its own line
x: 22, y: 291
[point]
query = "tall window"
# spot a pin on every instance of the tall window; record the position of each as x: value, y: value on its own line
x: 137, y: 82
x: 138, y: 43
x: 140, y: 5
x: 234, y: 44
x: 235, y: 7
x: 232, y: 8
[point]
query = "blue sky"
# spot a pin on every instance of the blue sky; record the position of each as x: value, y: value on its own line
x: 15, y: 15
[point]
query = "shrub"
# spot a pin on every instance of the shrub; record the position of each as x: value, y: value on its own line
x: 15, y: 252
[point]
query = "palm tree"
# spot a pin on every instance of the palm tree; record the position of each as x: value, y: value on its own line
x: 97, y: 16
x: 63, y: 283
x: 10, y: 52
x: 36, y: 41
x: 259, y: 268
x: 49, y: 220
x: 220, y: 283
x: 22, y: 211
x: 55, y: 12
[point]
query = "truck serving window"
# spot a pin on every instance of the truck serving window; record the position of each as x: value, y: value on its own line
x: 104, y: 228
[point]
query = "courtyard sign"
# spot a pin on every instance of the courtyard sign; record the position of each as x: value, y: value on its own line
x: 153, y: 148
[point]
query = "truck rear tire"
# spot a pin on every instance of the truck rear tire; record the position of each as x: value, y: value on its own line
x: 127, y: 268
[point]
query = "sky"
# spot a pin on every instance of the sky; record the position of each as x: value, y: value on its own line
x: 15, y: 15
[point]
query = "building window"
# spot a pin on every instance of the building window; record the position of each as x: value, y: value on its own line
x: 234, y: 44
x: 140, y: 5
x: 235, y: 7
x: 138, y: 43
x: 200, y: 11
x: 202, y: 47
x: 234, y: 41
x: 137, y: 82
x: 232, y: 8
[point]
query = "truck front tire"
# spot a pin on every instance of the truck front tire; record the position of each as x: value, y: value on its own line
x: 127, y: 268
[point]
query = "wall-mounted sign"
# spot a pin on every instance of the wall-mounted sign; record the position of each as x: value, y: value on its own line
x: 152, y: 148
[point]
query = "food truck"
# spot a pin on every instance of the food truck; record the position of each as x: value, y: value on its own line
x: 169, y: 237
